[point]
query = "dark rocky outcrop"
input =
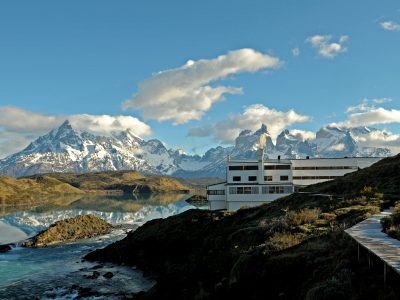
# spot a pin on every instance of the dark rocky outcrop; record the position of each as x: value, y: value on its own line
x: 6, y: 248
x: 68, y: 230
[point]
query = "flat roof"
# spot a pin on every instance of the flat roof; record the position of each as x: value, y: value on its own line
x: 216, y: 183
x: 285, y: 160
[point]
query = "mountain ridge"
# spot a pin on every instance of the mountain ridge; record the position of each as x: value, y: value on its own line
x: 65, y: 149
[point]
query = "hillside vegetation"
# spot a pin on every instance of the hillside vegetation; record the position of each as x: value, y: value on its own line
x: 126, y: 182
x: 292, y: 248
x: 14, y: 191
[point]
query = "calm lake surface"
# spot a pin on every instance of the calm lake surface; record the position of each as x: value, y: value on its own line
x: 49, y: 273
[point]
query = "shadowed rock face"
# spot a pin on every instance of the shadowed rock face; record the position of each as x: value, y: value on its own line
x: 5, y: 248
x: 69, y: 230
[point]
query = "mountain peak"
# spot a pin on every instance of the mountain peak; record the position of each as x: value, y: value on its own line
x: 263, y: 129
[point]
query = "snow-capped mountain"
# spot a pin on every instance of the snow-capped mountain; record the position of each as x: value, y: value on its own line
x: 67, y: 150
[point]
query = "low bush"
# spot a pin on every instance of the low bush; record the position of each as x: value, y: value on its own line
x: 304, y: 216
x: 284, y: 240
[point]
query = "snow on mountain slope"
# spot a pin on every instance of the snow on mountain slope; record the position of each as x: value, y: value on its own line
x: 65, y: 149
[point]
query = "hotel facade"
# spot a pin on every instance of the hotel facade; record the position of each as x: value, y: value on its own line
x: 254, y: 182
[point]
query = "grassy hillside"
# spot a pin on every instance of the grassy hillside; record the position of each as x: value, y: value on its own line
x: 124, y: 181
x: 14, y: 191
x: 292, y: 248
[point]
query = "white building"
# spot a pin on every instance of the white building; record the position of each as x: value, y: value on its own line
x: 254, y: 182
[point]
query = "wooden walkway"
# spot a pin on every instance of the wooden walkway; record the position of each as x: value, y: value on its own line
x: 369, y: 235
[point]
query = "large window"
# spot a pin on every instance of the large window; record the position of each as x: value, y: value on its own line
x: 276, y: 167
x: 244, y: 190
x: 284, y: 178
x: 277, y: 189
x: 215, y: 192
x: 252, y: 178
x: 254, y: 167
x: 325, y: 168
x: 267, y: 178
x: 243, y: 168
x: 235, y: 168
x: 236, y: 178
x: 313, y: 177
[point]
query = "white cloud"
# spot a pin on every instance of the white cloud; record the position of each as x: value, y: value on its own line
x: 296, y: 51
x: 363, y: 106
x: 18, y: 127
x: 366, y: 114
x: 382, y: 100
x: 390, y: 26
x: 372, y: 117
x: 303, y: 135
x: 226, y: 131
x: 367, y: 104
x: 325, y: 47
x: 106, y: 124
x: 184, y: 94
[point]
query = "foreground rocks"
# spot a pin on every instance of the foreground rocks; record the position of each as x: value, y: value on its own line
x: 255, y: 253
x: 6, y: 248
x: 69, y: 230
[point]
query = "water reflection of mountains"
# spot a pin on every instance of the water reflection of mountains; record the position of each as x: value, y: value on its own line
x: 105, y: 203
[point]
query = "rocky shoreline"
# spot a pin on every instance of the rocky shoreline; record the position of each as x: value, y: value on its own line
x: 69, y: 230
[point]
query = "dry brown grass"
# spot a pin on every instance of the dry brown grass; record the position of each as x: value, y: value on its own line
x: 14, y: 191
x: 304, y: 216
x: 284, y: 240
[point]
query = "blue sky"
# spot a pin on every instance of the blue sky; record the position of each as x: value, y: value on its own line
x: 87, y: 57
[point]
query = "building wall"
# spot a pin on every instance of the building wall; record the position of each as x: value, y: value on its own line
x: 311, y: 171
x: 237, y: 205
x: 247, y: 171
x: 299, y: 172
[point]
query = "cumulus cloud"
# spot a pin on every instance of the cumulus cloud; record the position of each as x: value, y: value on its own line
x: 390, y: 26
x: 325, y: 47
x: 303, y: 135
x: 367, y: 114
x: 183, y: 94
x: 18, y: 127
x: 106, y: 124
x: 225, y: 131
x: 372, y: 117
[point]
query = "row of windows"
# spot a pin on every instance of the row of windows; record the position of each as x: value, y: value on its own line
x: 215, y: 192
x: 325, y: 168
x: 277, y: 189
x: 264, y: 190
x: 255, y: 167
x: 254, y: 178
x: 313, y: 177
x: 243, y: 168
x: 277, y: 167
x: 244, y: 190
